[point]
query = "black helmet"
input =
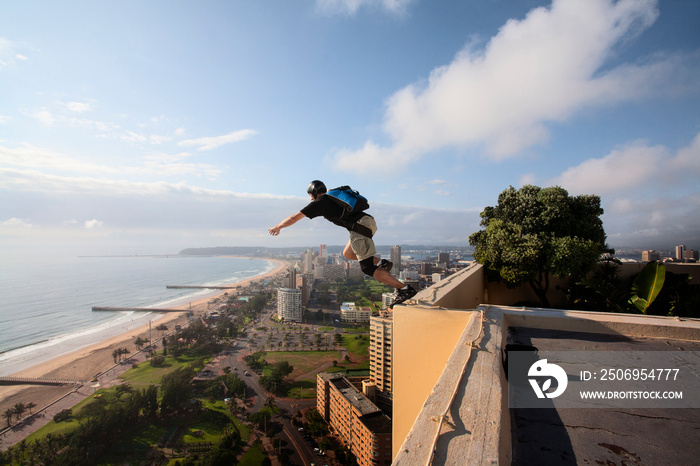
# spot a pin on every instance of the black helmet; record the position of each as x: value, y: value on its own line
x: 316, y: 187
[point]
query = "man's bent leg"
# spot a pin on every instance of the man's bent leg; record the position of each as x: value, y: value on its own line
x: 385, y: 277
x: 349, y: 253
x: 367, y: 266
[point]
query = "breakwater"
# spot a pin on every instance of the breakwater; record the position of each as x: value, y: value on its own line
x: 37, y: 381
x: 135, y: 309
x: 194, y: 287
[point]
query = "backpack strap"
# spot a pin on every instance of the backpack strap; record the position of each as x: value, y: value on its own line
x: 352, y: 226
x: 361, y: 229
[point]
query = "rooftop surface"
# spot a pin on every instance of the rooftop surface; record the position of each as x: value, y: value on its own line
x: 354, y: 396
x: 602, y: 435
x: 467, y: 418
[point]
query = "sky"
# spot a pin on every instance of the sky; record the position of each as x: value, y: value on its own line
x: 138, y: 127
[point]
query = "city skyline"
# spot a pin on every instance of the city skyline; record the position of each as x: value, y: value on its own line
x: 151, y: 128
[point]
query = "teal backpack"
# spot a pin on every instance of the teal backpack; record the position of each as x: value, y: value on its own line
x: 350, y: 200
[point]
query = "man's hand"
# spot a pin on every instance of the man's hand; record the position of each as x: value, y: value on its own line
x: 289, y: 221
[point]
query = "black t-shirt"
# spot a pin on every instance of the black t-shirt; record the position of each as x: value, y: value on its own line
x: 326, y: 208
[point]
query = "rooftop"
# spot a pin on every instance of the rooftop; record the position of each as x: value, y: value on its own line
x: 378, y: 423
x: 458, y: 411
x: 360, y: 402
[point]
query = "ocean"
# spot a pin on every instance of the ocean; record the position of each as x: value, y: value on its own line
x: 46, y: 302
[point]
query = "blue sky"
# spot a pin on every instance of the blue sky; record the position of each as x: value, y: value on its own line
x: 148, y: 127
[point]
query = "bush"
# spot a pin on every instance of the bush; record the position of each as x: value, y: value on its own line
x: 157, y: 361
x: 63, y: 415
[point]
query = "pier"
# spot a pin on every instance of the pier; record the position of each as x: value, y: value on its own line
x: 135, y: 309
x: 38, y: 381
x: 195, y: 287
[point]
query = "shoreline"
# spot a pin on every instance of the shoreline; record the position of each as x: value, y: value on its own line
x: 84, y: 363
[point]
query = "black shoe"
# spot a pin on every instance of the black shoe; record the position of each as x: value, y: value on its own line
x: 402, y: 295
x: 385, y: 265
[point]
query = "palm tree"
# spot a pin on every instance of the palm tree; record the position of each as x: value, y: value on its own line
x: 19, y: 409
x: 7, y: 414
x: 140, y: 343
x: 31, y: 405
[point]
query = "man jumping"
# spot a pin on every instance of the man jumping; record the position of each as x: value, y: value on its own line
x: 360, y: 247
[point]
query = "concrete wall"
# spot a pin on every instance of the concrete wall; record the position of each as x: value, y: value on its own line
x: 462, y: 290
x: 424, y: 338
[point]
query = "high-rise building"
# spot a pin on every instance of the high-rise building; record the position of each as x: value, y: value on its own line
x: 443, y: 258
x: 380, y: 355
x: 650, y: 255
x: 395, y: 257
x: 292, y: 278
x: 289, y: 304
x: 309, y: 261
x: 679, y: 251
x: 387, y: 298
x: 303, y: 285
x: 690, y: 255
x: 323, y: 251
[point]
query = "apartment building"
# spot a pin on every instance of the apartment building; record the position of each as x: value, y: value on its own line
x: 289, y: 304
x: 349, y: 312
x: 395, y: 257
x: 354, y: 419
x: 380, y: 355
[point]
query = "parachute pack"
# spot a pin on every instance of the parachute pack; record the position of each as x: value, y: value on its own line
x: 350, y: 200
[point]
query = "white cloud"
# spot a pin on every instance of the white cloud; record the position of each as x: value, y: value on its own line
x: 618, y: 171
x: 637, y: 167
x: 17, y: 222
x: 77, y: 107
x: 44, y: 117
x: 209, y: 143
x: 29, y: 156
x: 9, y: 55
x: 157, y: 139
x: 650, y: 194
x: 350, y: 7
x: 543, y: 68
x: 94, y: 223
x: 527, y: 178
x: 191, y: 215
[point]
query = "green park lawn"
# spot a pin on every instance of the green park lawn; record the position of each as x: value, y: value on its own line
x: 145, y: 374
x: 303, y: 362
x: 253, y: 457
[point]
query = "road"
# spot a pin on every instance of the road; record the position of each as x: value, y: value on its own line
x: 303, y: 452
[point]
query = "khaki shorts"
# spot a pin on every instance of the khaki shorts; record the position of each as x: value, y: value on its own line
x: 362, y: 246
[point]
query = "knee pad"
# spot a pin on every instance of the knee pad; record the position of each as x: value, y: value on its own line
x: 367, y: 266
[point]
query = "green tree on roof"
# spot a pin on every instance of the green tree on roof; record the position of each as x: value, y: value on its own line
x: 535, y: 232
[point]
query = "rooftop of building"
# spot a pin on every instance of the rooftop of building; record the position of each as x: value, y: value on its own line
x: 377, y: 423
x: 360, y: 402
x: 458, y: 411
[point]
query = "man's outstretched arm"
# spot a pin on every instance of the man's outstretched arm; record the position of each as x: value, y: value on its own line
x: 287, y: 222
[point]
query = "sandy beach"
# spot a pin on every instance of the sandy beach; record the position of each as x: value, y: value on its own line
x: 84, y: 363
